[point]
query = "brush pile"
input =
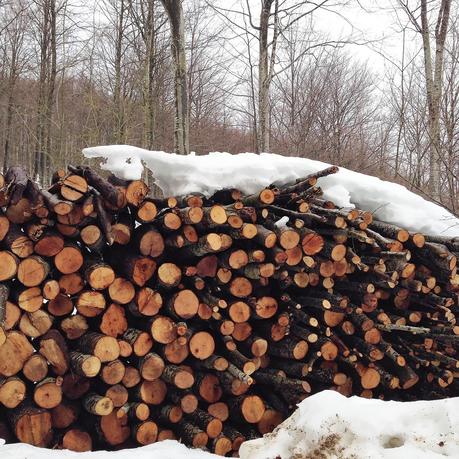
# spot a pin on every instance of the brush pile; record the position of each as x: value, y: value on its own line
x: 126, y: 319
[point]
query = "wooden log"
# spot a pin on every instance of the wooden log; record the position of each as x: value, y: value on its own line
x: 69, y: 259
x: 112, y: 373
x: 4, y: 226
x: 54, y: 348
x: 4, y: 293
x: 131, y: 377
x: 113, y: 322
x: 147, y: 211
x: 152, y: 392
x: 12, y: 391
x: 140, y: 341
x: 16, y: 179
x: 50, y: 289
x: 270, y: 420
x: 136, y: 268
x: 77, y: 440
x: 98, y: 405
x: 90, y: 303
x: 207, y: 386
x: 106, y: 348
x: 248, y: 407
x: 21, y: 212
x: 9, y: 264
x: 14, y: 353
x: 73, y: 187
x: 184, y: 304
x: 35, y: 368
x: 202, y: 345
x: 145, y: 433
x: 35, y: 324
x: 49, y: 244
x: 176, y: 351
x: 122, y: 230
x: 56, y: 204
x: 147, y: 303
x: 98, y: 275
x: 65, y: 414
x: 118, y: 394
x: 178, y: 377
x: 169, y: 275
x: 149, y: 241
x: 74, y: 327
x: 48, y: 393
x: 31, y: 424
x: 209, y: 243
x: 208, y: 423
x: 84, y: 364
x: 103, y: 186
x: 163, y: 329
x: 192, y: 434
x: 151, y: 366
x: 185, y: 400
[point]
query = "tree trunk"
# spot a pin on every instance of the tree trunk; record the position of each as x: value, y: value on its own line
x: 150, y: 61
x: 182, y: 122
x: 265, y: 72
x: 434, y: 81
x: 46, y: 91
x: 117, y: 99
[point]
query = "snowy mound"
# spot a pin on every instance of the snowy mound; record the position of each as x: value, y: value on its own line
x: 167, y: 449
x: 329, y: 426
x: 178, y: 175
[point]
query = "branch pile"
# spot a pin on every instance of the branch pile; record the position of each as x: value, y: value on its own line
x: 126, y: 319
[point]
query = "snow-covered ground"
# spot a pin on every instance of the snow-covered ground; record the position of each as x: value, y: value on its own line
x: 326, y: 425
x: 167, y: 449
x: 177, y: 175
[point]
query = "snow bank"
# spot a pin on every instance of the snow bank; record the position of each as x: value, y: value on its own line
x: 167, y: 449
x: 330, y: 426
x: 177, y: 175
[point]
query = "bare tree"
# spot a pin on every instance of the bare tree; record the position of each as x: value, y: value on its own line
x: 182, y: 117
x: 268, y: 28
x: 46, y: 17
x: 14, y: 58
x: 450, y: 118
x: 419, y: 13
x: 143, y: 16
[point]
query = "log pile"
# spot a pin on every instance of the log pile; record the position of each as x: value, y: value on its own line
x: 127, y: 319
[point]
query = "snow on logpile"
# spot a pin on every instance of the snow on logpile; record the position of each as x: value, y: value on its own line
x: 167, y: 449
x: 178, y: 175
x: 331, y: 426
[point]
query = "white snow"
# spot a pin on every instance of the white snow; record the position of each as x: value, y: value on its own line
x: 167, y: 449
x: 331, y: 426
x: 178, y: 175
x: 326, y: 425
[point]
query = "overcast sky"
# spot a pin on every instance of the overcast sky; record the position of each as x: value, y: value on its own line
x: 368, y: 20
x: 374, y: 22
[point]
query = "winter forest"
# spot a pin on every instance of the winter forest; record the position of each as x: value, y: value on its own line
x: 236, y: 76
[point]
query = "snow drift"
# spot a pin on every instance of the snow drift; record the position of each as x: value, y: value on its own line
x: 167, y: 449
x: 328, y: 425
x: 177, y: 175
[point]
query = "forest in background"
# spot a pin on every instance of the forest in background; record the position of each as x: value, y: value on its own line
x: 245, y: 75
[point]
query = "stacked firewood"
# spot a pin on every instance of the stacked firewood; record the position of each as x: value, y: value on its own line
x: 127, y: 319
